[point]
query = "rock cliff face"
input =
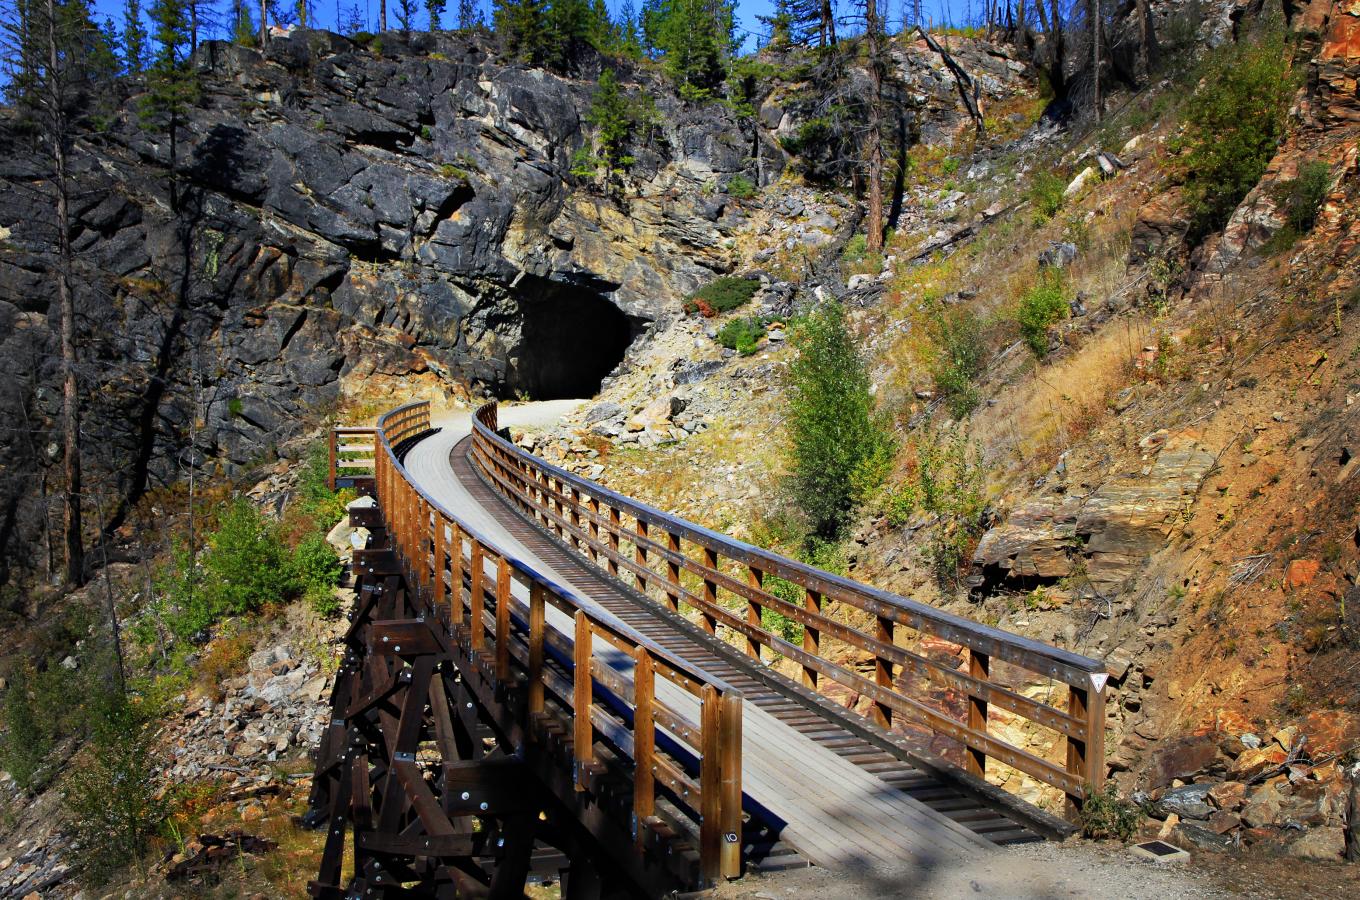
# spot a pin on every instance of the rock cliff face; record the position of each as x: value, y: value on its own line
x: 323, y: 219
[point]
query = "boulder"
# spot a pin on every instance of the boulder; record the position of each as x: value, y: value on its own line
x: 1188, y: 802
x: 1253, y: 762
x: 1084, y: 179
x: 1160, y: 228
x: 1326, y: 843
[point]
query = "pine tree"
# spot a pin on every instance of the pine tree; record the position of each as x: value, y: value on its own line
x: 629, y: 32
x: 521, y: 26
x: 435, y: 9
x: 134, y: 38
x: 469, y: 15
x: 243, y: 26
x: 406, y: 14
x: 694, y: 38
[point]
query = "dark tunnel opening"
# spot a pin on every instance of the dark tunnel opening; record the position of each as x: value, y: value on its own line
x: 571, y: 338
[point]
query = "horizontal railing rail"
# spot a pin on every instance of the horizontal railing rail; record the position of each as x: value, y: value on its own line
x: 352, y: 451
x: 605, y: 682
x: 684, y: 565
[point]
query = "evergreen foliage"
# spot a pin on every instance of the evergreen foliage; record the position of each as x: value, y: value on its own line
x: 616, y: 118
x: 134, y: 38
x: 837, y: 447
x: 1042, y: 307
x: 435, y: 10
x: 695, y: 41
x: 1233, y: 127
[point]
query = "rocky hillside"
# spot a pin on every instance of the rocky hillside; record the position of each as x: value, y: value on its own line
x: 1165, y: 470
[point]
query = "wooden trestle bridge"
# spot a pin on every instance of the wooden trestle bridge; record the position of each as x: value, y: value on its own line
x: 542, y: 676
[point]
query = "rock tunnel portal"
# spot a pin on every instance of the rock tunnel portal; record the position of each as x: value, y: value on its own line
x: 571, y: 337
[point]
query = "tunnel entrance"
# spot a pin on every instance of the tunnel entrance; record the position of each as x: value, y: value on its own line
x: 571, y: 337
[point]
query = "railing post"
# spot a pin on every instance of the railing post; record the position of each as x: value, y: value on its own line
x: 755, y: 579
x: 583, y: 733
x: 576, y: 516
x: 615, y: 525
x: 1086, y: 759
x: 455, y: 574
x: 640, y: 556
x: 710, y: 624
x: 439, y: 547
x: 980, y: 667
x: 883, y: 671
x: 477, y: 598
x: 673, y: 572
x: 730, y: 746
x: 536, y: 623
x: 644, y: 743
x: 594, y: 526
x: 503, y: 620
x: 710, y: 784
x: 812, y: 602
x: 330, y: 478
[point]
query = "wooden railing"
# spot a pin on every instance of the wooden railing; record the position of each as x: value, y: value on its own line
x: 692, y: 569
x: 351, y: 451
x: 679, y: 726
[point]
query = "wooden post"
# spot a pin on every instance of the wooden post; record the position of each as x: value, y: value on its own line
x: 455, y: 574
x: 594, y: 526
x: 536, y: 623
x: 476, y: 597
x: 640, y: 555
x: 730, y: 746
x: 710, y: 785
x: 673, y: 572
x: 615, y: 526
x: 812, y: 602
x: 503, y: 620
x: 1086, y: 759
x: 980, y: 667
x: 330, y: 478
x: 439, y: 552
x: 576, y: 516
x: 754, y: 578
x: 710, y: 624
x: 644, y: 743
x: 583, y: 733
x: 883, y: 671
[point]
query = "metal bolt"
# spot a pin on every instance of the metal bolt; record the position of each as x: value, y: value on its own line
x: 466, y: 795
x: 484, y: 806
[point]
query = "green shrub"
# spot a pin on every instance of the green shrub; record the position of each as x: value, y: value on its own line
x: 722, y: 295
x: 246, y: 565
x: 835, y: 440
x: 318, y: 570
x: 1301, y: 198
x: 741, y: 187
x: 741, y: 335
x: 949, y: 483
x: 1233, y: 125
x: 1104, y: 814
x: 1042, y: 307
x: 314, y: 495
x: 958, y: 336
x: 110, y: 796
x: 855, y: 248
x: 28, y: 738
x: 234, y: 406
x: 1045, y: 195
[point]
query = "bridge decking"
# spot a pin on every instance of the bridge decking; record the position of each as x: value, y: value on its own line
x: 839, y: 799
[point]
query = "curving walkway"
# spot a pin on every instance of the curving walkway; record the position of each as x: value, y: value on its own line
x: 847, y: 818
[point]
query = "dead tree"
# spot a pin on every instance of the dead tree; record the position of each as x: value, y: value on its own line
x: 969, y: 89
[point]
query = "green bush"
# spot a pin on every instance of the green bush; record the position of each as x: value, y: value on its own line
x: 958, y: 336
x: 1045, y: 195
x: 855, y: 249
x: 1301, y: 198
x: 318, y: 570
x: 314, y: 495
x: 741, y: 187
x: 949, y: 483
x: 110, y: 796
x: 1233, y: 126
x: 247, y: 564
x: 1042, y: 307
x: 741, y: 335
x: 1104, y: 815
x: 28, y: 737
x: 836, y: 443
x: 722, y: 295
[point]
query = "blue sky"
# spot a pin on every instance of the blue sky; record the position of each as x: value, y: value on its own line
x: 328, y: 12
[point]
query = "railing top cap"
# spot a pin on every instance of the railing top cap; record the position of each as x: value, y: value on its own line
x: 1062, y: 658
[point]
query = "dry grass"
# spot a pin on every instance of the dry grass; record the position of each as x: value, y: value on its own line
x: 1060, y: 403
